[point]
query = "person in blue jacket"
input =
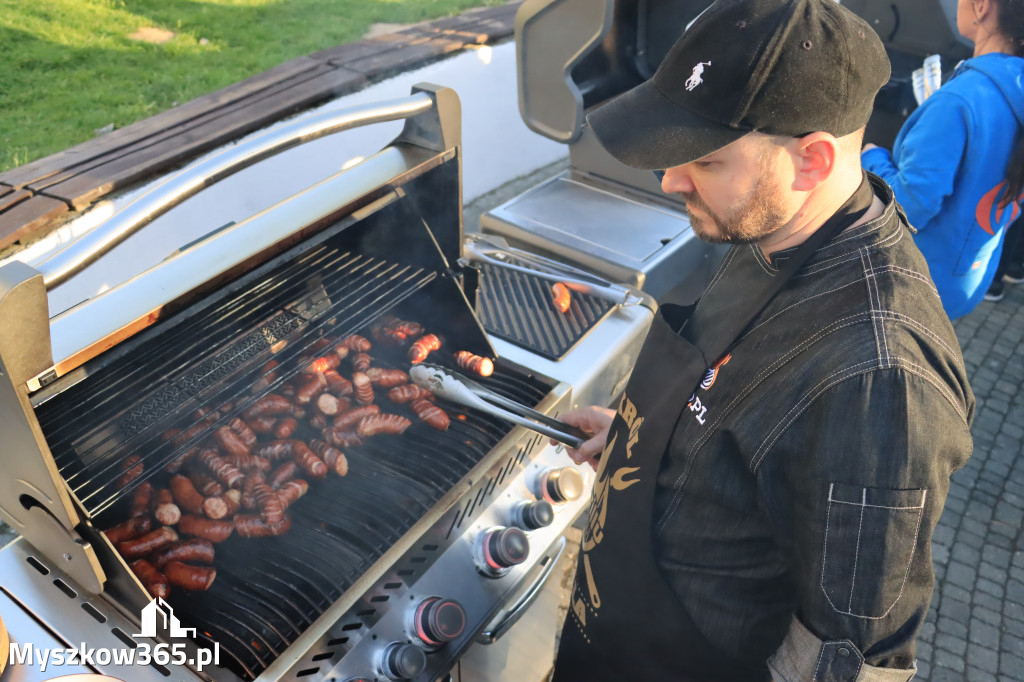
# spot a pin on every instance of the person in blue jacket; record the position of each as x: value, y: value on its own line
x: 957, y: 166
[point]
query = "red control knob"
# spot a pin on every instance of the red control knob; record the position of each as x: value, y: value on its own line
x: 505, y: 547
x: 438, y: 621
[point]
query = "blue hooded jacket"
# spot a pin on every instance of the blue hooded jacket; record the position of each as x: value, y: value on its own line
x: 948, y: 171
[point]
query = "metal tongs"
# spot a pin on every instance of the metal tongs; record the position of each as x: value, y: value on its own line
x: 457, y: 388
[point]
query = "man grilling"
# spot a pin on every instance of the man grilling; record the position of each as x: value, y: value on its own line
x: 768, y: 485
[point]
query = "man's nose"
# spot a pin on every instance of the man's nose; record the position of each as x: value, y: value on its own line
x: 677, y: 179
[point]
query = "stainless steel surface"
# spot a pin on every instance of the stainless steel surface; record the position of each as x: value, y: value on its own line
x: 451, y: 385
x: 77, y: 255
x: 52, y: 612
x: 497, y: 252
x: 33, y: 498
x: 626, y: 239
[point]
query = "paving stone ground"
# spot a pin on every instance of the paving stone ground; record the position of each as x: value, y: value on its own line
x: 975, y: 627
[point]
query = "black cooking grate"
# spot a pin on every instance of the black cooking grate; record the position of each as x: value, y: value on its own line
x: 518, y: 307
x: 269, y: 590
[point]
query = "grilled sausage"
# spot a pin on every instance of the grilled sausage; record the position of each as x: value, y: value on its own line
x: 474, y: 363
x: 341, y: 438
x: 248, y: 497
x: 322, y: 364
x: 147, y: 544
x: 422, y: 347
x: 206, y: 486
x: 264, y: 424
x: 407, y: 328
x: 176, y: 464
x: 193, y: 550
x: 408, y: 393
x: 318, y: 421
x: 362, y: 388
x: 189, y: 577
x: 270, y: 404
x: 126, y: 530
x: 291, y: 491
x: 361, y: 362
x: 337, y: 384
x: 131, y: 469
x: 333, y: 457
x: 166, y: 512
x: 382, y: 423
x: 329, y: 405
x: 197, y: 526
x: 309, y: 462
x: 230, y: 442
x: 431, y: 414
x: 247, y: 463
x: 283, y: 473
x: 313, y: 387
x: 222, y: 470
x: 351, y: 417
x: 269, y: 504
x: 243, y: 431
x: 222, y: 506
x: 153, y: 580
x: 387, y: 378
x: 253, y: 526
x: 141, y: 499
x: 561, y: 298
x: 285, y: 427
x: 268, y: 375
x: 186, y: 495
x: 203, y: 418
x: 277, y: 450
x: 356, y: 343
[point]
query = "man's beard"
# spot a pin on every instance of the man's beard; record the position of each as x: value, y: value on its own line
x: 758, y: 216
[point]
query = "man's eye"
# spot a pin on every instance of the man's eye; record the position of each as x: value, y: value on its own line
x: 703, y: 164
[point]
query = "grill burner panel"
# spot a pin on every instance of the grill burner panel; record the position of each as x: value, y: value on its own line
x: 517, y: 307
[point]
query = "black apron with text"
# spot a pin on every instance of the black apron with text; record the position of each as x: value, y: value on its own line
x: 624, y: 621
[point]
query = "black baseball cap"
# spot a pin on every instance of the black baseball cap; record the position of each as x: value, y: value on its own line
x: 780, y: 67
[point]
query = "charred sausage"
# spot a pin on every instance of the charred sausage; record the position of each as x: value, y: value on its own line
x: 309, y: 462
x: 153, y: 580
x: 223, y: 471
x: 291, y: 491
x: 361, y: 362
x: 387, y: 378
x: 270, y: 404
x: 277, y: 450
x: 322, y: 364
x: 341, y: 438
x: 131, y: 469
x: 264, y: 424
x: 474, y: 363
x: 423, y: 347
x: 243, y: 431
x: 431, y: 414
x: 382, y: 423
x: 285, y: 427
x: 147, y: 544
x: 193, y: 550
x: 126, y: 530
x: 313, y: 387
x: 283, y: 474
x: 197, y: 526
x: 189, y: 577
x: 268, y: 375
x: 253, y: 526
x: 141, y: 499
x: 222, y: 506
x: 351, y: 417
x: 362, y: 388
x: 268, y: 502
x: 186, y: 495
x: 230, y: 442
x: 206, y: 486
x: 356, y: 343
x: 337, y: 384
x: 333, y: 457
x: 167, y: 513
x: 329, y: 405
x: 560, y: 297
x: 408, y: 393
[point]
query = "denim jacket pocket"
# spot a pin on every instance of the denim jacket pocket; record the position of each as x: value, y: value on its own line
x: 870, y: 538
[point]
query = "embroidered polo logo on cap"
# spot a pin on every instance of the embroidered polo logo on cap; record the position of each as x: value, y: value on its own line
x: 694, y: 80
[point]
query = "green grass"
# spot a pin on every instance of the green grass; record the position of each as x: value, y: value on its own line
x: 68, y: 67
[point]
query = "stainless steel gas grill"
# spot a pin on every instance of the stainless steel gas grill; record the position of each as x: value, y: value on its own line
x: 403, y: 547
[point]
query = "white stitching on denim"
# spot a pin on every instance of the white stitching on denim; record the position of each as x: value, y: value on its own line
x: 793, y: 305
x: 761, y: 260
x: 817, y: 668
x: 856, y: 551
x: 827, y: 263
x: 681, y: 479
x: 824, y: 555
x: 804, y: 403
x: 919, y: 326
x: 875, y: 311
x: 913, y: 274
x: 874, y: 506
x: 871, y: 307
x: 722, y: 267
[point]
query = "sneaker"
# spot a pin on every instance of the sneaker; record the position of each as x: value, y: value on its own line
x: 995, y: 292
x: 1014, y: 273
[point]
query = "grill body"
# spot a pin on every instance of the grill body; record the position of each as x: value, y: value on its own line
x: 120, y: 376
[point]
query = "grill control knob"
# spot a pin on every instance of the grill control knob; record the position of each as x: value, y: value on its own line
x: 438, y: 621
x: 561, y: 485
x: 498, y: 549
x: 533, y: 515
x: 402, y: 661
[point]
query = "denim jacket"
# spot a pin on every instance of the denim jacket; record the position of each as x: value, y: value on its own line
x: 797, y: 499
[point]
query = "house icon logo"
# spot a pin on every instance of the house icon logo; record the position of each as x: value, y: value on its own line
x: 159, y: 610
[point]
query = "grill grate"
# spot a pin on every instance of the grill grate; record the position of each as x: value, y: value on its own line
x: 269, y: 590
x: 517, y: 307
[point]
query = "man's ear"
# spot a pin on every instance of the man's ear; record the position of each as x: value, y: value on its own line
x: 814, y: 159
x: 981, y: 9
